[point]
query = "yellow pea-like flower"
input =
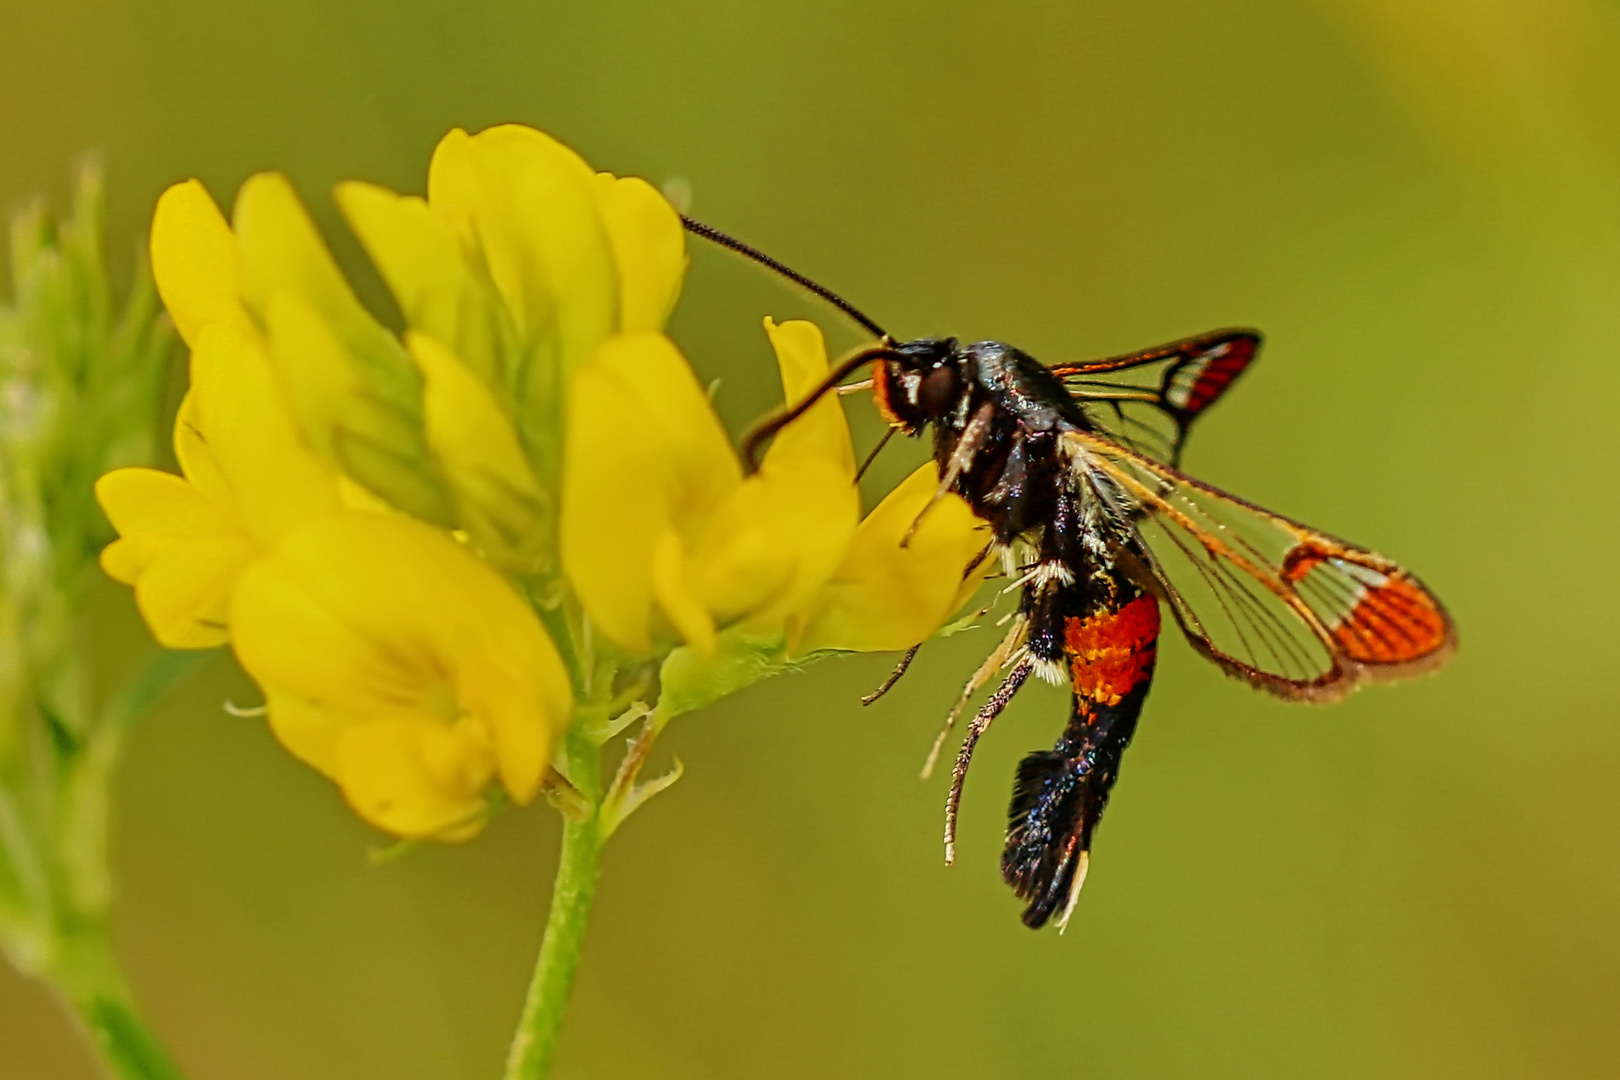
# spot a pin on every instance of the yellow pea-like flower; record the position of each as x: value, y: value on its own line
x: 403, y: 668
x: 182, y: 551
x: 248, y: 480
x: 663, y: 536
x: 373, y: 520
x: 884, y: 596
x: 516, y: 268
x: 521, y: 262
x: 528, y: 203
x: 661, y: 530
x: 575, y: 255
x: 348, y: 386
x: 645, y: 456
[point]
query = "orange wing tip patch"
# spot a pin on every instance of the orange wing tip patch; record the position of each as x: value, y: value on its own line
x: 1376, y: 615
x: 1395, y: 622
x: 1112, y: 652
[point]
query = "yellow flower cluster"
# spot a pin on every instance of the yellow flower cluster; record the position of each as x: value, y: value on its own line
x: 384, y: 526
x: 778, y: 556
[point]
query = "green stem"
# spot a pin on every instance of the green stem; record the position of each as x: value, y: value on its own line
x: 86, y: 976
x: 535, y: 1042
x: 72, y: 897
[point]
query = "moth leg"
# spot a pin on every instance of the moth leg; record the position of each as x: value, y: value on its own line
x: 894, y: 676
x: 876, y: 450
x: 978, y: 560
x: 964, y: 757
x: 911, y: 653
x: 987, y: 670
x: 966, y: 448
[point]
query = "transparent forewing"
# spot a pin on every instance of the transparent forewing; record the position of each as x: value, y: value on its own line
x: 1146, y: 401
x: 1290, y: 609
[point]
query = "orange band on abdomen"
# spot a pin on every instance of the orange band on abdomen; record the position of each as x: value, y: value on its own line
x: 1112, y: 652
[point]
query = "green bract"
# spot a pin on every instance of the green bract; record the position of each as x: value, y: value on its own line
x: 81, y: 377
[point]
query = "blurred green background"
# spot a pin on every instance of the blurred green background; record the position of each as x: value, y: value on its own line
x: 1417, y: 200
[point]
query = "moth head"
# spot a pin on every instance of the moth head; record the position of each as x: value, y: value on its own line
x: 919, y: 384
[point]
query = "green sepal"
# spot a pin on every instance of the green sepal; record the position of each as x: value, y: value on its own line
x: 690, y: 680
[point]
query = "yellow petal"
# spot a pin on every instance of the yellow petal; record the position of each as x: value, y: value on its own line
x: 196, y: 457
x: 194, y: 260
x: 680, y: 605
x: 371, y: 616
x: 418, y: 253
x: 887, y: 597
x: 184, y: 592
x: 355, y: 497
x: 415, y: 778
x: 615, y: 502
x: 353, y: 390
x: 150, y: 502
x: 537, y: 222
x: 277, y: 483
x: 649, y: 247
x: 179, y: 549
x: 453, y: 184
x: 822, y: 433
x: 123, y: 560
x: 319, y: 378
x: 776, y: 542
x: 341, y: 416
x: 815, y: 514
x: 498, y: 498
x: 644, y: 453
x: 282, y: 250
x: 306, y: 729
x: 739, y: 563
x: 413, y: 248
x: 658, y: 383
x: 303, y: 650
x: 493, y: 690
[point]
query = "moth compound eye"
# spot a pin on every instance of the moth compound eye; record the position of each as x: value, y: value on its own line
x: 939, y: 390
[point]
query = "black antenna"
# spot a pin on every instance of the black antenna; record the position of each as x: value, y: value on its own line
x: 725, y: 241
x: 763, y: 430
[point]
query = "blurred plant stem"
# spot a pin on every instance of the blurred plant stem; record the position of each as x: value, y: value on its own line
x: 81, y: 386
x: 87, y: 979
x: 577, y: 867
